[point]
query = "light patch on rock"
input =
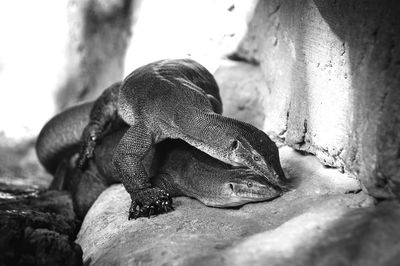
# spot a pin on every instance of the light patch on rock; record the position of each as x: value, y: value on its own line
x: 285, y: 241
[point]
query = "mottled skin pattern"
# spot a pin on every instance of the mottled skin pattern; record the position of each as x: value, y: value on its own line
x: 175, y: 167
x: 171, y: 99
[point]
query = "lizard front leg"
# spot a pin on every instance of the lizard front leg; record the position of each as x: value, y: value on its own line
x: 103, y: 114
x: 145, y: 199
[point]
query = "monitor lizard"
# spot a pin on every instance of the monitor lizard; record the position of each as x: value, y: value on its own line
x: 178, y: 168
x: 175, y: 99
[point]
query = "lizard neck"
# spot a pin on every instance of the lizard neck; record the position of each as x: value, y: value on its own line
x: 208, y: 132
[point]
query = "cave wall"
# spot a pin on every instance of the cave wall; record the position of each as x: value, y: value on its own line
x: 332, y: 70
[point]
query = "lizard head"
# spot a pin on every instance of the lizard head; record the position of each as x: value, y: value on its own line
x: 260, y: 155
x: 245, y: 145
x: 191, y: 172
x: 241, y: 187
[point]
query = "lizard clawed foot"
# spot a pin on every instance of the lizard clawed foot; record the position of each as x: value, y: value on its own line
x: 148, y: 202
x: 89, y: 138
x: 86, y: 153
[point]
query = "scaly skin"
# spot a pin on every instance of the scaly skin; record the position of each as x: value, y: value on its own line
x: 177, y: 168
x: 171, y: 99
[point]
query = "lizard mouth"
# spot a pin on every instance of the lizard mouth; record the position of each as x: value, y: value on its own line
x: 254, y: 193
x: 236, y: 194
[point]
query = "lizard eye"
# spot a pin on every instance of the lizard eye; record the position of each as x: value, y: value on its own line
x: 249, y: 184
x: 234, y: 144
x: 256, y: 158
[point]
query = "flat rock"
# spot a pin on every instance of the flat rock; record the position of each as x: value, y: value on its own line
x: 194, y: 234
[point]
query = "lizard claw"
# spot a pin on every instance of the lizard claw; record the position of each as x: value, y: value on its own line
x: 149, y: 202
x: 86, y: 152
x: 90, y: 137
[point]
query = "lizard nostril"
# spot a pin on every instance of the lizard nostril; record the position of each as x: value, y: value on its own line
x: 231, y: 186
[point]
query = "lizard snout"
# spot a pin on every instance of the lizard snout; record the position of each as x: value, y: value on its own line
x: 253, y: 188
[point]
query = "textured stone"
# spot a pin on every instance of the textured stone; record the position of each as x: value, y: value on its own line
x: 241, y: 87
x: 193, y: 233
x: 334, y: 236
x: 332, y: 70
x: 369, y: 236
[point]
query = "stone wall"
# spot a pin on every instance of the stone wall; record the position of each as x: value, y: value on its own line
x: 333, y: 74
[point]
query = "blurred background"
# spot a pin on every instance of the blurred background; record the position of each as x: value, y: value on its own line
x: 54, y: 54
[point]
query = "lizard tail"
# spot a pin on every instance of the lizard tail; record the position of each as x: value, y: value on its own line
x: 61, y: 135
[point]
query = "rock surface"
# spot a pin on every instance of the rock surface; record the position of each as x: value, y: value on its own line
x: 333, y: 236
x: 332, y: 71
x: 242, y: 86
x: 197, y: 235
x: 37, y: 228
